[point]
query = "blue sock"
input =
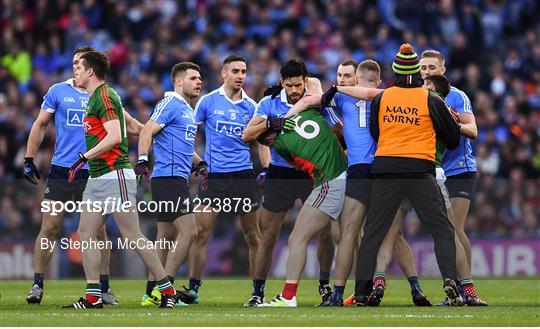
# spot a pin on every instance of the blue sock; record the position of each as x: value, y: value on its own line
x: 150, y: 286
x: 258, y: 288
x: 415, y: 284
x: 104, y: 280
x: 38, y: 279
x: 337, y: 295
x: 194, y: 284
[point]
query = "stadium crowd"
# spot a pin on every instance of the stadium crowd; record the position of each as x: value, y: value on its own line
x: 492, y: 50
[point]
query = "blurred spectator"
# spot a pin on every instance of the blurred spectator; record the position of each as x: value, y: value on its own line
x: 492, y: 49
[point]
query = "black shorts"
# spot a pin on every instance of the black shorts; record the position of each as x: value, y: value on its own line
x: 359, y: 182
x: 283, y: 186
x: 171, y: 195
x: 236, y: 187
x: 58, y: 188
x: 461, y: 185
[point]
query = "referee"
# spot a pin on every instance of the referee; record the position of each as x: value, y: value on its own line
x: 406, y: 120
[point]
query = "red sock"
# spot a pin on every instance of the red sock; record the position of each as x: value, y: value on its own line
x: 380, y: 281
x: 289, y: 291
x: 469, y: 290
x: 168, y: 291
x: 92, y: 298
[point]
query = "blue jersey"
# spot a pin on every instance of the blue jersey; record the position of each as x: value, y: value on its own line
x: 278, y: 107
x: 174, y: 144
x: 355, y: 113
x: 224, y: 123
x: 68, y: 105
x: 461, y: 159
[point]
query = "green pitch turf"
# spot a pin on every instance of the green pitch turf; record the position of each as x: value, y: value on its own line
x: 512, y: 303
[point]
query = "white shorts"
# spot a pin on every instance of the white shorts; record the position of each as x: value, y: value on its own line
x: 329, y: 196
x: 112, y: 191
x: 441, y: 178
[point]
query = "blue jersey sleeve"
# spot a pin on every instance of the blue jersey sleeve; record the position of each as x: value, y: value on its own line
x: 263, y: 109
x: 162, y: 112
x: 201, y: 110
x: 330, y: 116
x: 50, y: 100
x: 337, y: 103
x: 461, y: 102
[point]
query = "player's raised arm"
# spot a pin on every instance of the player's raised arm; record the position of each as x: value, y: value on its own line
x: 359, y: 92
x: 303, y: 104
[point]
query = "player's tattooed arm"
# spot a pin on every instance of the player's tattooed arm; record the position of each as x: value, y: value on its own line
x: 133, y: 126
x: 37, y: 133
x: 467, y: 125
x: 359, y: 92
x: 145, y: 137
x: 255, y: 127
x: 111, y: 139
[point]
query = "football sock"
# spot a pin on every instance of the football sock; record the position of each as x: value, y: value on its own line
x: 194, y: 284
x: 171, y: 279
x: 165, y: 287
x: 104, y: 281
x: 468, y: 287
x: 415, y: 284
x: 93, y: 292
x: 150, y: 286
x: 337, y: 295
x: 379, y: 279
x: 258, y: 288
x: 289, y: 291
x: 324, y: 278
x: 38, y: 279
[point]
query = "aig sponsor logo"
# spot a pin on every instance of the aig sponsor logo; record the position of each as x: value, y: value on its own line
x: 75, y: 117
x: 191, y: 131
x: 229, y: 128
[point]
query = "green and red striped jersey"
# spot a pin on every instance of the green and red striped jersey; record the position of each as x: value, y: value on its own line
x: 312, y: 147
x: 105, y: 105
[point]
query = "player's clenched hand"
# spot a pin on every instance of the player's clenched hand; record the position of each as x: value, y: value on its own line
x: 327, y: 96
x: 285, y: 124
x: 142, y: 169
x: 31, y: 172
x: 273, y: 91
x: 76, y: 167
x: 202, y: 170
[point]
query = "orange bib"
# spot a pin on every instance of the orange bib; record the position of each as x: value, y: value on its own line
x: 405, y: 126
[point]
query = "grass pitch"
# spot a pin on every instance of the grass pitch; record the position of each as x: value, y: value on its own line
x: 513, y: 302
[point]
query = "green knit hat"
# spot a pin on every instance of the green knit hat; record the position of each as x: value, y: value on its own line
x: 406, y: 61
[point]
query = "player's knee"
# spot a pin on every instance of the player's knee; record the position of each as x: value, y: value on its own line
x: 325, y: 239
x: 253, y: 239
x: 102, y: 235
x: 84, y: 233
x: 298, y: 239
x: 50, y: 230
x: 269, y: 239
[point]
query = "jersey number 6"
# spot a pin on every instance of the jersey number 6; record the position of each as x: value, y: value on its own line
x: 302, y: 131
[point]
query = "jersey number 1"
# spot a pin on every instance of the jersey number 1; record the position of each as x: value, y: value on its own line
x: 362, y: 113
